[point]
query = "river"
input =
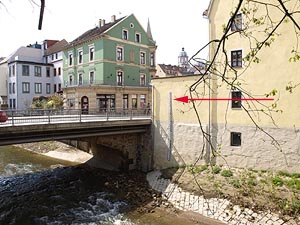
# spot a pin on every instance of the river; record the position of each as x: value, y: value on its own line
x: 35, y: 189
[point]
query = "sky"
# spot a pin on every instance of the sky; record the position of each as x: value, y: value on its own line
x: 174, y: 24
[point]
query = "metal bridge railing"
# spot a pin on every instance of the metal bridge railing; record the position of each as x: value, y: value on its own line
x: 51, y: 116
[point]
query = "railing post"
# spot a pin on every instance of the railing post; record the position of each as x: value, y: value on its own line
x: 80, y: 113
x: 131, y: 112
x: 12, y: 118
x: 49, y: 116
x: 106, y: 115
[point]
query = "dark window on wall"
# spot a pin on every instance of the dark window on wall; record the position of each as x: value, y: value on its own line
x: 14, y: 88
x: 48, y: 88
x: 80, y: 79
x: 236, y: 101
x: 25, y: 70
x: 54, y: 88
x: 59, y: 71
x: 138, y: 38
x: 237, y: 23
x: 143, y: 58
x: 125, y: 34
x: 54, y: 72
x: 142, y: 79
x: 235, y: 138
x: 92, y: 78
x: 70, y: 59
x: 59, y: 87
x: 80, y: 57
x: 92, y: 49
x: 37, y: 71
x: 152, y: 59
x: 236, y: 58
x: 47, y: 71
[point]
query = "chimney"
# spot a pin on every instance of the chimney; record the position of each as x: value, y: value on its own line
x: 102, y: 23
x: 113, y: 18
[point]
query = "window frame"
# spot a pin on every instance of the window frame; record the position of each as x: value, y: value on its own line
x: 91, y: 53
x: 25, y: 87
x: 236, y: 61
x: 235, y: 139
x: 70, y: 59
x: 152, y: 59
x: 237, y: 23
x: 23, y: 71
x: 236, y: 104
x: 80, y: 79
x: 80, y: 56
x: 120, y: 53
x: 142, y: 57
x: 48, y: 88
x: 120, y: 73
x: 37, y: 71
x: 48, y: 71
x: 125, y: 34
x: 38, y: 89
x: 138, y: 37
x: 143, y: 81
x: 93, y: 80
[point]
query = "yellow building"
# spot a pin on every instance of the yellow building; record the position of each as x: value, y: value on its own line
x: 275, y: 142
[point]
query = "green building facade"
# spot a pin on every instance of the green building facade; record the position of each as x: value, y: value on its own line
x: 115, y: 58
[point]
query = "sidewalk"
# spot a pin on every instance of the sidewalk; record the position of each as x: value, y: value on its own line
x: 219, y: 209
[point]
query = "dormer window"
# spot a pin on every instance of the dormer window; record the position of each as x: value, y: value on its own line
x: 125, y: 34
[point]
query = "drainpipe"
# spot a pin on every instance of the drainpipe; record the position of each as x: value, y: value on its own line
x: 170, y: 130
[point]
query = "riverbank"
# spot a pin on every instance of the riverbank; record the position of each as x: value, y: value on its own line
x: 57, y: 150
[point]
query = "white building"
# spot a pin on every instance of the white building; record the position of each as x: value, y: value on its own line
x: 28, y: 77
x: 54, y: 55
x: 3, y: 81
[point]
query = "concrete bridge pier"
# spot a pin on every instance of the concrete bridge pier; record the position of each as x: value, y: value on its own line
x: 119, y: 151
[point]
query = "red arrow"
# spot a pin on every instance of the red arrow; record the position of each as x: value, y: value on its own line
x: 186, y: 99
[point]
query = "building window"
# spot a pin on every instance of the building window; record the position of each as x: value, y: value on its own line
x: 80, y: 79
x: 235, y: 138
x: 26, y: 87
x: 10, y: 88
x: 25, y: 70
x: 138, y: 38
x: 143, y: 58
x: 70, y: 59
x: 37, y: 71
x: 91, y: 53
x: 54, y: 72
x: 237, y: 23
x: 106, y: 101
x: 119, y: 53
x: 59, y: 71
x: 120, y: 78
x: 38, y: 88
x: 142, y: 79
x: 54, y: 88
x: 56, y: 56
x: 134, y: 101
x: 236, y: 101
x: 59, y: 87
x: 13, y: 71
x: 48, y: 88
x: 70, y: 80
x: 14, y: 88
x: 143, y: 101
x: 125, y: 101
x: 52, y: 57
x: 92, y: 77
x: 125, y: 34
x: 47, y: 71
x: 236, y: 58
x: 9, y: 71
x: 80, y: 57
x: 14, y: 103
x: 152, y: 59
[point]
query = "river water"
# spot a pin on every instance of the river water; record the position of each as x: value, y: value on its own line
x: 35, y: 189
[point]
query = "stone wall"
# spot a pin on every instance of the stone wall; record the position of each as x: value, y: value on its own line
x: 277, y: 149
